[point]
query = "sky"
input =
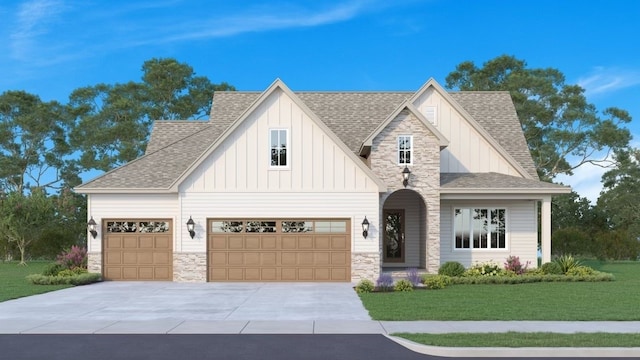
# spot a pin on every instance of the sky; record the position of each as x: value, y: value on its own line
x: 51, y: 47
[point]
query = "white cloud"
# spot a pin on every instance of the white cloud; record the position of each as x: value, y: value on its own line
x: 33, y: 21
x: 586, y: 181
x: 606, y: 80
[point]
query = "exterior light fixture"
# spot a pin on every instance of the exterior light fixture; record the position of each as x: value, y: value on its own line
x: 92, y: 225
x: 191, y: 227
x: 365, y: 227
x: 405, y: 176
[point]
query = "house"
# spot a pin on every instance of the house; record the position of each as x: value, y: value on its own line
x: 322, y: 186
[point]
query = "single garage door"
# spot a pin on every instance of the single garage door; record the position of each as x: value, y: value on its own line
x: 279, y: 250
x: 138, y: 250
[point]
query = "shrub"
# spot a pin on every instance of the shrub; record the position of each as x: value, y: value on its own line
x: 72, y: 272
x: 384, y: 282
x: 484, y: 269
x: 571, y: 241
x: 581, y: 270
x: 451, y: 268
x: 435, y: 282
x: 513, y: 264
x: 81, y: 279
x: 365, y: 286
x: 551, y: 268
x: 567, y: 262
x: 617, y: 245
x: 52, y: 269
x: 75, y: 257
x: 403, y: 285
x: 414, y: 277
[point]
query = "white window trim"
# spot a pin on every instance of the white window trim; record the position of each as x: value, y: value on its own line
x: 411, y: 162
x: 279, y: 167
x: 471, y: 248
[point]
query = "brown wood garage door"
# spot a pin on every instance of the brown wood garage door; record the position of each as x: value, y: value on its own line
x: 138, y: 250
x: 279, y: 250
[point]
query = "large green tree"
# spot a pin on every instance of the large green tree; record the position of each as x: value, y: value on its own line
x: 34, y: 146
x: 113, y: 122
x: 563, y: 130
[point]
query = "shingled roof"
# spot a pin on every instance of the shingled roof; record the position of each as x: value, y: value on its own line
x: 494, y: 182
x: 175, y: 145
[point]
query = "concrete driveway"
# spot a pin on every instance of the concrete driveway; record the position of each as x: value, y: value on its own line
x: 140, y: 301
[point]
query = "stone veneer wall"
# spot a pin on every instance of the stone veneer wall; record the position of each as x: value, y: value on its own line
x: 190, y: 267
x: 94, y: 262
x: 365, y: 266
x: 425, y: 174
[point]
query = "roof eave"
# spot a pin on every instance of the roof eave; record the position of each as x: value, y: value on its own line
x: 124, y: 191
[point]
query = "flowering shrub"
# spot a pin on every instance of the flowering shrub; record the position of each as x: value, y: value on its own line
x: 414, y: 277
x: 76, y: 257
x: 385, y: 282
x: 513, y: 264
x: 484, y: 269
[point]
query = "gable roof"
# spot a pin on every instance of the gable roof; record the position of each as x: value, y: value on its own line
x: 492, y: 183
x: 175, y: 147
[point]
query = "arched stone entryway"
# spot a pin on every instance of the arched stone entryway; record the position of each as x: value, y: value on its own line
x: 404, y: 230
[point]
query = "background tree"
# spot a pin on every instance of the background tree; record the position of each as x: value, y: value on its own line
x: 34, y: 147
x: 562, y: 129
x: 24, y: 218
x: 113, y: 122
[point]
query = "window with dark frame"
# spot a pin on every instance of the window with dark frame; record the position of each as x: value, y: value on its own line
x: 278, y: 141
x: 405, y: 147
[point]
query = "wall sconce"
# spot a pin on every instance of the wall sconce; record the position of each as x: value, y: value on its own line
x: 92, y: 225
x: 191, y: 227
x: 365, y: 227
x: 405, y: 176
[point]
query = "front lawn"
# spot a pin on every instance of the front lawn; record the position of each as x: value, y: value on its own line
x: 570, y: 301
x: 518, y: 339
x: 14, y: 283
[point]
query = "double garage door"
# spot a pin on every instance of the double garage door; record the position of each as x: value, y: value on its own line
x: 237, y: 250
x: 279, y: 250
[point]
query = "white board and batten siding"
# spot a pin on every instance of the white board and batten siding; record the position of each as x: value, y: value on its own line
x: 130, y: 206
x: 522, y: 234
x: 242, y: 162
x: 468, y: 151
x: 320, y: 181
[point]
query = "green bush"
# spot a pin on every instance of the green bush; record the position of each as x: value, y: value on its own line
x: 403, y: 285
x: 451, y: 268
x: 616, y: 245
x: 484, y: 269
x: 581, y: 271
x: 567, y: 262
x: 551, y: 268
x: 72, y: 272
x: 365, y: 286
x: 79, y: 279
x: 505, y: 280
x: 52, y: 269
x: 571, y: 241
x: 435, y: 282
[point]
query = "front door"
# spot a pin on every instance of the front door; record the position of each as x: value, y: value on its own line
x: 393, y: 239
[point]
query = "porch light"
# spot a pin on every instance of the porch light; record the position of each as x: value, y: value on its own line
x: 405, y: 176
x: 191, y: 227
x: 365, y: 227
x: 92, y: 225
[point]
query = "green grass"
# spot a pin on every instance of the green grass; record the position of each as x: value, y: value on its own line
x: 14, y: 284
x: 573, y: 301
x: 518, y: 339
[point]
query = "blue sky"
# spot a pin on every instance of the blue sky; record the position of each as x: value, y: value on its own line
x: 51, y: 47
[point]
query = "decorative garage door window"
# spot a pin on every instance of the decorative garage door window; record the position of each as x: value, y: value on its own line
x: 147, y: 226
x: 278, y: 226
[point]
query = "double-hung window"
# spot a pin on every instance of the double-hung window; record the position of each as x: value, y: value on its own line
x: 278, y: 141
x: 405, y: 150
x: 480, y: 228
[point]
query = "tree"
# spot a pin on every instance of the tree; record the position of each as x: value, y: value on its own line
x: 113, y: 122
x: 562, y: 129
x: 34, y: 147
x: 24, y: 218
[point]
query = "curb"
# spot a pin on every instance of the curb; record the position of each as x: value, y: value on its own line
x: 597, y: 352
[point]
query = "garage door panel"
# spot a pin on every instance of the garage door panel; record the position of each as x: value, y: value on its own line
x: 283, y: 254
x: 141, y: 250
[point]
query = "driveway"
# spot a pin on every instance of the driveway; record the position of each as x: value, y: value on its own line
x: 140, y: 301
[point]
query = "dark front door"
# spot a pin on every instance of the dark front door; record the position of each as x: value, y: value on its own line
x: 393, y: 240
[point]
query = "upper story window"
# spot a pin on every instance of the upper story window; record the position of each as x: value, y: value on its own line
x: 278, y: 140
x: 405, y: 149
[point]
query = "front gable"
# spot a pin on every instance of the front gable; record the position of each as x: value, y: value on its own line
x: 471, y: 148
x: 316, y: 160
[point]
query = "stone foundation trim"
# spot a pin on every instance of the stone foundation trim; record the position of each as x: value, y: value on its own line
x: 190, y: 267
x: 365, y: 266
x: 94, y: 262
